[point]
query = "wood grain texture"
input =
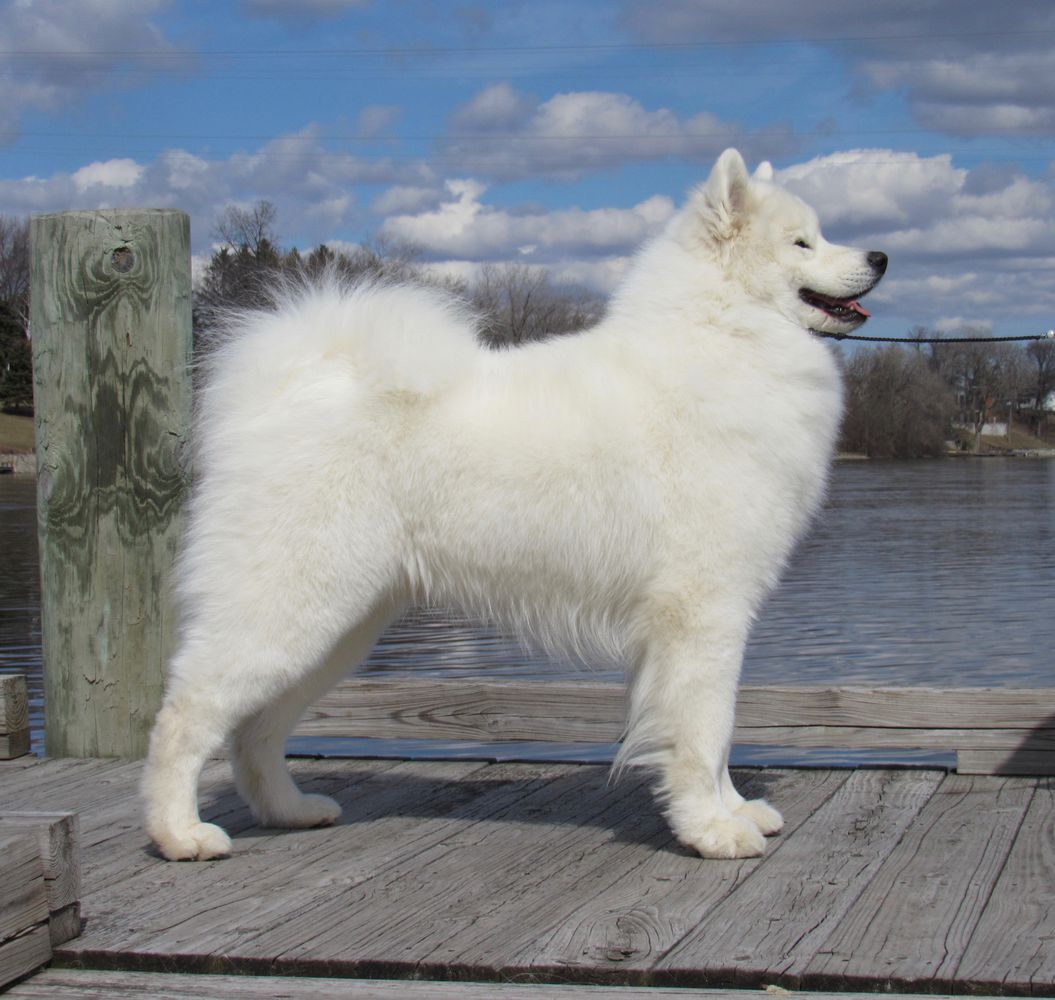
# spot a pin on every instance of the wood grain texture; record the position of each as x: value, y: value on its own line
x: 571, y: 712
x: 23, y: 899
x: 111, y: 345
x: 914, y: 920
x: 1010, y: 729
x: 25, y: 943
x: 1013, y: 947
x: 528, y: 872
x: 85, y: 984
x: 58, y: 841
x: 1021, y: 760
x: 802, y: 894
x: 24, y: 954
x: 14, y: 717
x: 627, y: 911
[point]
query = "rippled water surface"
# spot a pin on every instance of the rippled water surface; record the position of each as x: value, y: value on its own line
x: 921, y: 573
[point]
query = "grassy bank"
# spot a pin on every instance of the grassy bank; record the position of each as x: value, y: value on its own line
x: 16, y: 433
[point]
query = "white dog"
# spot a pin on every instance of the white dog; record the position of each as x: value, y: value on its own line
x: 632, y: 490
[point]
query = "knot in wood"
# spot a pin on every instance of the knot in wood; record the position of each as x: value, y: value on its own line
x: 122, y: 260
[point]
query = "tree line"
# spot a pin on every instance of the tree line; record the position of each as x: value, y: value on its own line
x: 902, y: 401
x: 515, y: 303
x: 909, y: 401
x: 16, y: 365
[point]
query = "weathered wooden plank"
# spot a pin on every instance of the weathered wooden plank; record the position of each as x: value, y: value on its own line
x: 23, y: 898
x: 548, y: 884
x: 46, y: 778
x: 974, y: 718
x: 802, y: 894
x: 636, y: 901
x: 65, y: 924
x: 914, y: 919
x: 998, y: 744
x: 1024, y: 759
x: 21, y: 955
x: 82, y: 984
x: 24, y: 938
x: 374, y: 873
x: 14, y: 717
x: 481, y: 874
x: 116, y: 849
x: 461, y: 710
x: 111, y: 318
x: 59, y: 847
x: 205, y: 908
x: 897, y: 708
x: 1013, y: 945
x: 58, y: 843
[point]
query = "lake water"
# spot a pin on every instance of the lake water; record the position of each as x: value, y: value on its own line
x: 937, y: 573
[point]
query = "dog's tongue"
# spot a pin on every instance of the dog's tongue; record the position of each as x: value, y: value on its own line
x: 851, y: 304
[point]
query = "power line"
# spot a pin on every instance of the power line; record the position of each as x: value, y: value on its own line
x: 1050, y: 335
x: 601, y: 47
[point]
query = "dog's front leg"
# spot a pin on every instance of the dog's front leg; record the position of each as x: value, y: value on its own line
x: 687, y: 704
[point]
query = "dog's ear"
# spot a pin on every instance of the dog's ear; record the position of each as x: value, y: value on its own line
x: 721, y: 201
x: 763, y: 172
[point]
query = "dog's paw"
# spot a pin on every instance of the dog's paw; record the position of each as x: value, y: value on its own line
x: 762, y: 814
x: 726, y: 837
x: 200, y: 842
x: 307, y: 811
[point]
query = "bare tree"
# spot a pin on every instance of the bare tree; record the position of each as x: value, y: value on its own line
x: 14, y: 262
x: 519, y: 303
x: 1042, y: 354
x: 16, y: 367
x: 252, y: 229
x: 897, y: 405
x: 989, y: 379
x: 249, y: 265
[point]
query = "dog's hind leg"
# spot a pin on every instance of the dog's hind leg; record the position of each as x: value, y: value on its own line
x: 258, y: 745
x: 255, y: 682
x: 263, y: 625
x: 185, y: 734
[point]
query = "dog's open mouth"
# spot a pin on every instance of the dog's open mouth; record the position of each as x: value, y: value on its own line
x: 843, y: 310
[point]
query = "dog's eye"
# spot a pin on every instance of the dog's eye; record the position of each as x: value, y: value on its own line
x: 803, y: 244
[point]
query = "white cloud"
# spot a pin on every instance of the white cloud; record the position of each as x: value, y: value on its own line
x: 970, y: 245
x: 967, y: 247
x: 314, y: 189
x: 405, y: 198
x: 463, y: 226
x: 924, y: 206
x: 123, y: 173
x: 602, y: 275
x: 497, y: 106
x: 966, y: 68
x: 505, y: 134
x: 56, y: 51
x: 373, y: 120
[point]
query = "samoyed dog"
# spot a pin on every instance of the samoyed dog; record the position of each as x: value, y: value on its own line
x: 633, y: 491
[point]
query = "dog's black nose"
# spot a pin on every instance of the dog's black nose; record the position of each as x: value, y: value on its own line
x: 878, y: 261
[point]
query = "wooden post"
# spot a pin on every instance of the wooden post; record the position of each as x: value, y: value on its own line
x: 14, y: 717
x: 111, y: 331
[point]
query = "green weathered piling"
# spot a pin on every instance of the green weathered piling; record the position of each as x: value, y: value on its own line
x: 111, y: 331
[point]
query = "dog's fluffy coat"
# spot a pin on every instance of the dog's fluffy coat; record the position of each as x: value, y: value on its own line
x: 632, y: 491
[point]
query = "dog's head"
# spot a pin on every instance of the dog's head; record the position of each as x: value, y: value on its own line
x: 770, y: 242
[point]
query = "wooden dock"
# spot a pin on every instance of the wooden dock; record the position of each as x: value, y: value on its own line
x: 918, y: 881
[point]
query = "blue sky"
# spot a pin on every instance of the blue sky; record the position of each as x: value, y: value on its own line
x: 560, y: 134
